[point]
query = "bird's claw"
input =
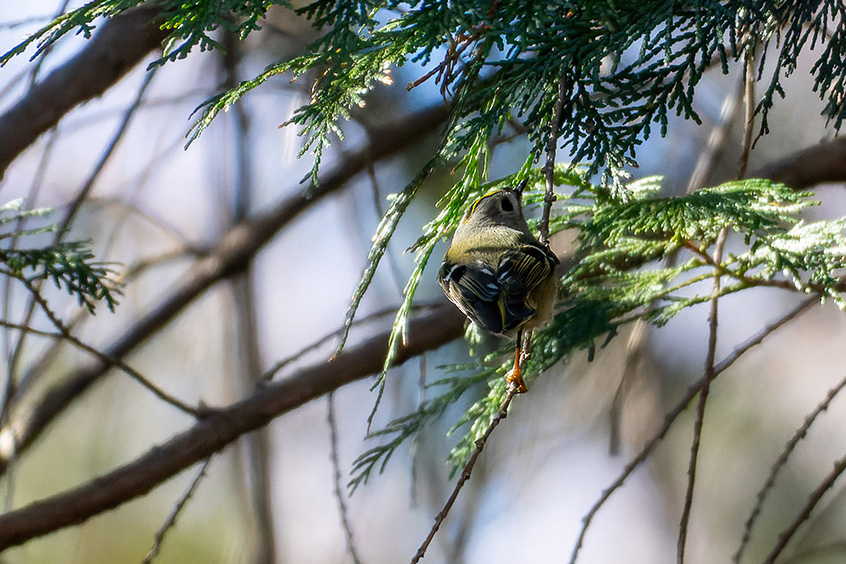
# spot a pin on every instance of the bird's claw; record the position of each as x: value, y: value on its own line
x: 515, y: 380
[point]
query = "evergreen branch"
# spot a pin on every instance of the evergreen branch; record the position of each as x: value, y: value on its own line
x: 70, y: 266
x: 658, y: 53
x: 188, y: 26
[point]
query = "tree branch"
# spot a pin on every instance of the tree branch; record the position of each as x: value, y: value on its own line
x: 825, y: 162
x: 234, y: 251
x: 120, y: 45
x: 213, y: 433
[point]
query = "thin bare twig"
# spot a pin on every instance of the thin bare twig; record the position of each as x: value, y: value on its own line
x: 717, y: 141
x: 336, y: 467
x: 710, y: 374
x: 104, y: 357
x: 749, y: 115
x: 268, y: 375
x: 82, y: 195
x: 177, y: 509
x: 465, y: 473
x: 670, y: 418
x: 800, y: 434
x: 813, y: 500
x: 549, y: 167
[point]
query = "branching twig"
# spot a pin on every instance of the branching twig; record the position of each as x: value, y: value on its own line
x: 710, y: 374
x: 177, y: 509
x: 670, y: 418
x: 104, y: 357
x: 465, y: 473
x: 800, y: 434
x: 220, y: 428
x: 273, y: 370
x: 121, y: 43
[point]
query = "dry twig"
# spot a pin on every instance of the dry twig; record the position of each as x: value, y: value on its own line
x: 671, y: 417
x: 800, y: 434
x: 465, y: 473
x: 177, y: 509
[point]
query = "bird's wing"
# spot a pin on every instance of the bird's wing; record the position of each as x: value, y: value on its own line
x: 475, y: 291
x: 522, y: 269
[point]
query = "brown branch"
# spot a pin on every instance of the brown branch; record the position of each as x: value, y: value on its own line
x: 825, y: 162
x: 234, y: 251
x: 120, y: 45
x: 224, y: 426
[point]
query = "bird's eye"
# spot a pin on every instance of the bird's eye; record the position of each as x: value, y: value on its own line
x: 506, y: 205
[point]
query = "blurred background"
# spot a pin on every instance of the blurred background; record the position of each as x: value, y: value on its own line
x: 152, y: 207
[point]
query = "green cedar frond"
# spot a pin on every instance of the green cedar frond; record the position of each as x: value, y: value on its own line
x: 454, y: 386
x: 622, y: 274
x: 626, y: 67
x: 190, y: 23
x: 69, y: 264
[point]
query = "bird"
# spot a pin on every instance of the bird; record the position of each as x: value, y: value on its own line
x: 497, y: 273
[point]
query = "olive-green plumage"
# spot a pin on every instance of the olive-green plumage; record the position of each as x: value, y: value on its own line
x: 496, y: 272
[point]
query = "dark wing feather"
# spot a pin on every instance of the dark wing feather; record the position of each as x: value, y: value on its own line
x: 522, y: 269
x: 497, y: 301
x: 475, y: 291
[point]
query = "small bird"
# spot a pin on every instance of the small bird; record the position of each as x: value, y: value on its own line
x: 497, y: 273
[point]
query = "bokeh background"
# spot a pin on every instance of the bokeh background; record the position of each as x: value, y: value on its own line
x: 157, y: 204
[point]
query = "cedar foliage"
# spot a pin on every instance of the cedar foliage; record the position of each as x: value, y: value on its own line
x: 616, y: 71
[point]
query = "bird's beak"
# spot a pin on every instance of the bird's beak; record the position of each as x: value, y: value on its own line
x: 521, y: 187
